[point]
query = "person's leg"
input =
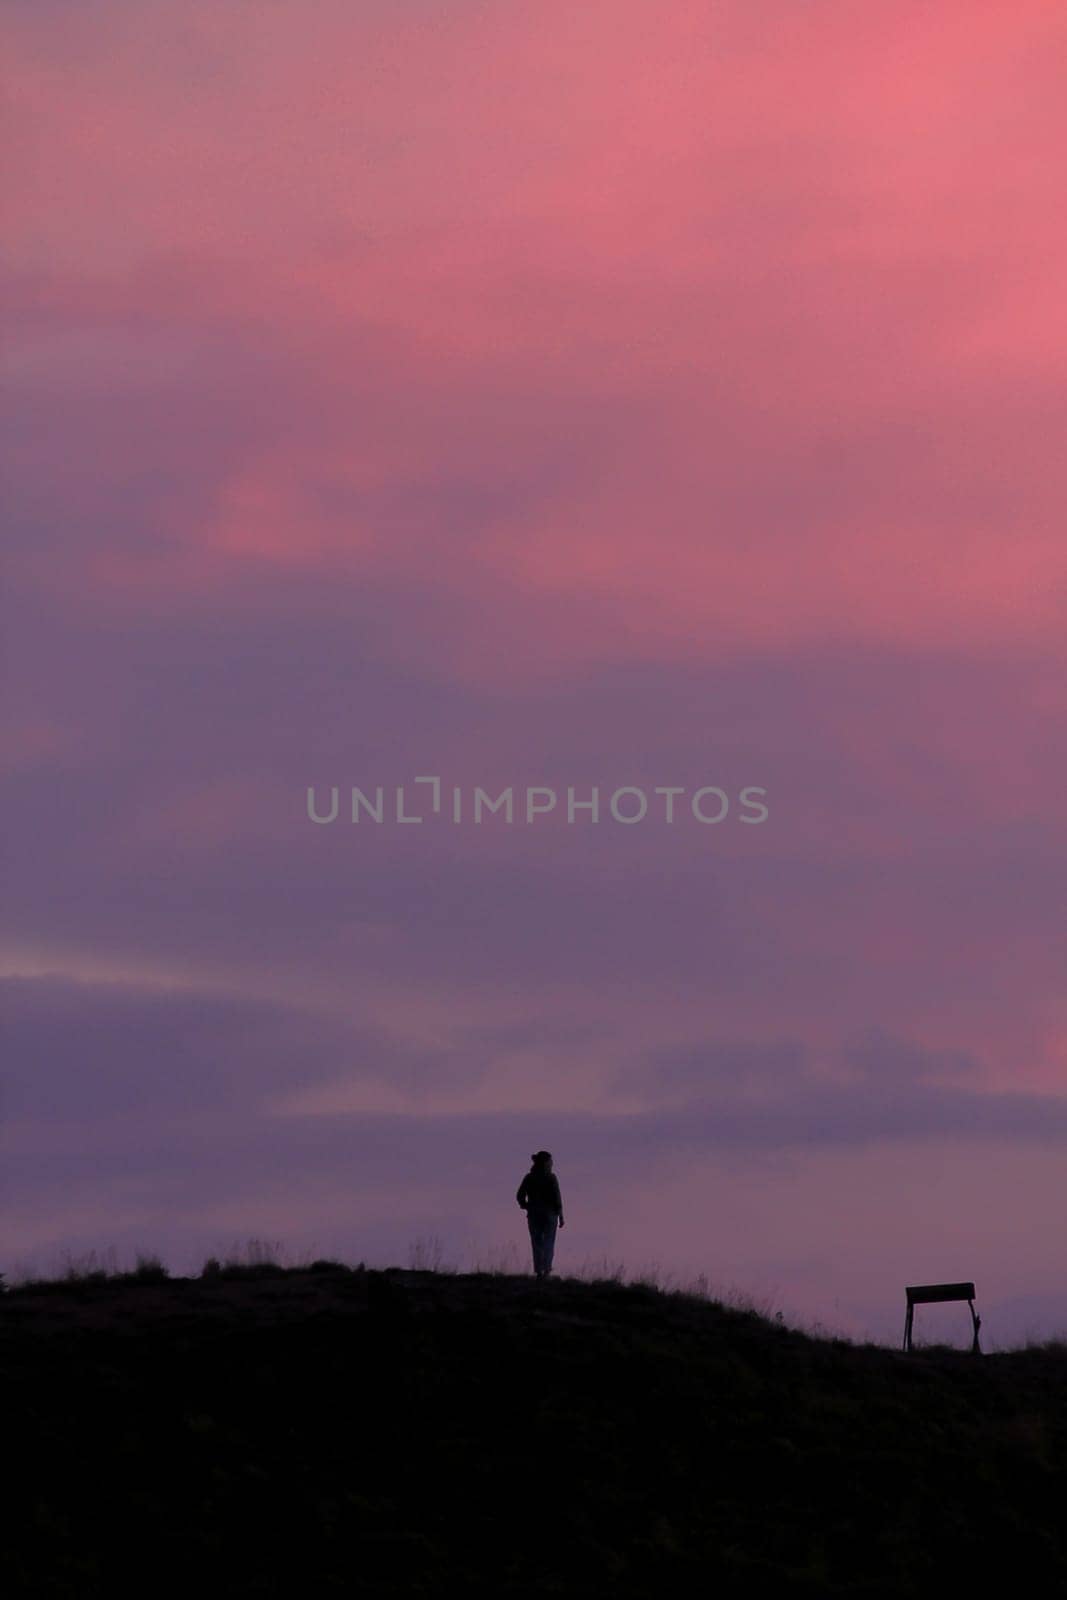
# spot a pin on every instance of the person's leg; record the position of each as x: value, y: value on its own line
x: 545, y: 1252
x: 549, y: 1245
x: 535, y: 1241
x: 540, y: 1221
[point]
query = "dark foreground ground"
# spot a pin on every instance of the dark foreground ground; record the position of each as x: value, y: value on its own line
x: 310, y: 1434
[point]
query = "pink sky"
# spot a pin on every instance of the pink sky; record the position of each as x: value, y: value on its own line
x: 554, y: 395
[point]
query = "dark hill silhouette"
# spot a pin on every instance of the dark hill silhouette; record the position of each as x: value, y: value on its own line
x: 360, y: 1432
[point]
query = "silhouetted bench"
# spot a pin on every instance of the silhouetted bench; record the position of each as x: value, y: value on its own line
x: 921, y: 1294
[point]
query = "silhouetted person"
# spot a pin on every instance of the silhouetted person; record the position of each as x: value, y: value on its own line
x: 538, y: 1195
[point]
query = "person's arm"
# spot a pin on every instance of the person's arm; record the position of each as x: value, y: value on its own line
x: 559, y: 1199
x: 520, y: 1193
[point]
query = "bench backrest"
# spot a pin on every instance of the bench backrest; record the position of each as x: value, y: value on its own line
x: 926, y: 1293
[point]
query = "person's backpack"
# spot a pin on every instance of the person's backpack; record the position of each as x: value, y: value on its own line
x: 542, y: 1189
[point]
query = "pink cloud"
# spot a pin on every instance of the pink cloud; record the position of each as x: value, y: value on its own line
x: 548, y: 393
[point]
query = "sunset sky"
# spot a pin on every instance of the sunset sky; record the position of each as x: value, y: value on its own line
x: 612, y: 393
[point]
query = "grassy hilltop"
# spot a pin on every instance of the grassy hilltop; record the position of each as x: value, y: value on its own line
x: 333, y: 1432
